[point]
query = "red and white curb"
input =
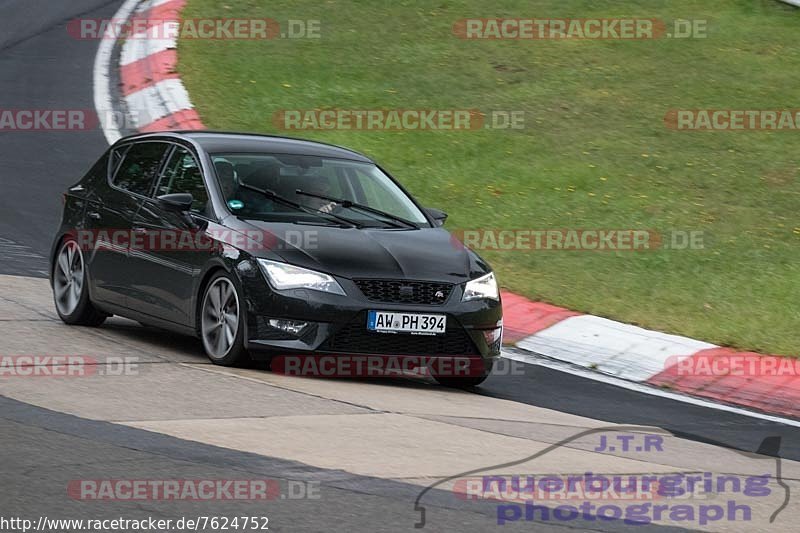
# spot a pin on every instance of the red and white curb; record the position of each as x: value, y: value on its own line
x: 152, y: 89
x: 634, y: 354
x: 630, y: 356
x: 154, y: 96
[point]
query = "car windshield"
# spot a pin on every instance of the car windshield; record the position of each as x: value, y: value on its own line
x: 336, y: 179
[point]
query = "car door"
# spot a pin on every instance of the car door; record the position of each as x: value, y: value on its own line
x: 109, y: 216
x: 167, y: 268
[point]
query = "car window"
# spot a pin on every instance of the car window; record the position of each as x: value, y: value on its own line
x: 139, y: 168
x: 314, y: 176
x: 116, y: 156
x: 332, y: 180
x: 182, y: 174
x: 384, y: 195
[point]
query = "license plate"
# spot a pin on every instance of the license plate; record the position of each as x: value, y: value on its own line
x: 413, y: 323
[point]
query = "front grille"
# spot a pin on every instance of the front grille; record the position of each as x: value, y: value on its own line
x: 404, y: 292
x: 355, y: 338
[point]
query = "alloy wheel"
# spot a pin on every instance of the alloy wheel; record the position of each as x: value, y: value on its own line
x: 68, y: 278
x: 220, y: 318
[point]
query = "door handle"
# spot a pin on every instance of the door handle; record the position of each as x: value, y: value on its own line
x: 140, y: 230
x: 94, y: 215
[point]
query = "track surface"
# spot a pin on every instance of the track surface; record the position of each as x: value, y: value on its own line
x: 42, y: 68
x: 179, y: 418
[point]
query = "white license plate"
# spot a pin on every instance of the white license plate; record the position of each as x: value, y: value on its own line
x: 414, y: 323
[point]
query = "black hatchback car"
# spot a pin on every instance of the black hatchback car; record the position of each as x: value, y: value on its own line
x: 264, y: 246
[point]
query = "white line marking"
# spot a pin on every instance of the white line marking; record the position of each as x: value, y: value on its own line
x: 102, y: 82
x: 156, y: 3
x: 638, y: 387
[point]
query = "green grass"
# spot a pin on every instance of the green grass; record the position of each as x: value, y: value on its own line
x: 594, y: 153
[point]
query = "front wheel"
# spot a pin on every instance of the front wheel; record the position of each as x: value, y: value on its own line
x: 70, y: 288
x: 222, y: 322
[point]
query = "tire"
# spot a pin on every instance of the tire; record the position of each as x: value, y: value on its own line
x: 222, y: 334
x: 466, y: 382
x: 71, y: 287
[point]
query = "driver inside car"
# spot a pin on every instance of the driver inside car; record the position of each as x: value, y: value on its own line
x: 319, y: 185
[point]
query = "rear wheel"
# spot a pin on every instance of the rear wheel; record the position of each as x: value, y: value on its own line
x: 70, y: 288
x: 222, y: 322
x: 467, y: 382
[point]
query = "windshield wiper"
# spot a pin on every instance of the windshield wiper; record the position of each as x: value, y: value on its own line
x: 348, y: 204
x: 272, y: 195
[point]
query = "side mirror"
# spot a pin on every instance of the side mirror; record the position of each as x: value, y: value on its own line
x: 180, y: 202
x: 437, y: 215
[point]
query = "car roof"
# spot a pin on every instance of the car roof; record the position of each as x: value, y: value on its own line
x: 215, y: 142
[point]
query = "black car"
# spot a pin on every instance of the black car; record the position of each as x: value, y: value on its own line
x: 266, y: 246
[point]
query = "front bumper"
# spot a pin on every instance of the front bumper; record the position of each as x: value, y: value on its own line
x: 337, y: 324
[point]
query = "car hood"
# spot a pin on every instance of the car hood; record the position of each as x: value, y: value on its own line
x: 423, y: 254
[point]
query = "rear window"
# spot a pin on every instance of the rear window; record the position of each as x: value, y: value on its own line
x: 139, y: 168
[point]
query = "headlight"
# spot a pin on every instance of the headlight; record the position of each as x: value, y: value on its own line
x: 483, y: 287
x: 283, y: 276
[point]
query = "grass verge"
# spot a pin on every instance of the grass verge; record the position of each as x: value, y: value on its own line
x: 594, y: 152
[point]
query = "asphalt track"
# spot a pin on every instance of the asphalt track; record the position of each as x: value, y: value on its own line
x: 180, y: 418
x: 42, y: 68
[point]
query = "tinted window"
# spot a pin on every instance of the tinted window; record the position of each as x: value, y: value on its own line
x: 381, y: 194
x: 140, y: 167
x: 182, y: 174
x: 116, y: 157
x: 363, y: 183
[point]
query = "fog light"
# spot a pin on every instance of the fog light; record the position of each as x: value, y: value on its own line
x: 292, y: 327
x: 493, y: 335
